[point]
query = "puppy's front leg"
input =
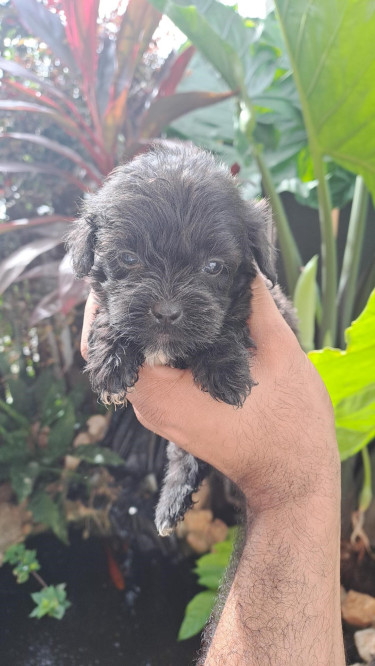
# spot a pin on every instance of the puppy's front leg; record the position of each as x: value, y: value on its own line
x: 112, y: 362
x: 223, y: 370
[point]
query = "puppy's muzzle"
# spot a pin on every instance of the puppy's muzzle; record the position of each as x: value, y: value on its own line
x: 167, y: 312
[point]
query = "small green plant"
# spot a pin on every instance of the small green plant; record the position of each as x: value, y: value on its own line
x: 37, y: 433
x: 210, y: 570
x: 51, y: 600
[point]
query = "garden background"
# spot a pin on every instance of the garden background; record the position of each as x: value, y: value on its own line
x: 287, y: 101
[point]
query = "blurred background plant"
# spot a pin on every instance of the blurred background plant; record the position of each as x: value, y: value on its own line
x: 83, y: 89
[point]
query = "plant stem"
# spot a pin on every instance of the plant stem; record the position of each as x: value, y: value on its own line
x: 327, y: 333
x: 352, y: 255
x: 39, y: 579
x: 291, y: 257
x: 366, y: 285
x: 366, y: 492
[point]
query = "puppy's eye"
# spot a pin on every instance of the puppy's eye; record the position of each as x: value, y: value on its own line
x: 129, y: 259
x: 213, y: 267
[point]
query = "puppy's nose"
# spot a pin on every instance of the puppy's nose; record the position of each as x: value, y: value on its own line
x: 167, y: 311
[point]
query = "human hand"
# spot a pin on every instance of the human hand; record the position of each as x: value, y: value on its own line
x: 266, y: 440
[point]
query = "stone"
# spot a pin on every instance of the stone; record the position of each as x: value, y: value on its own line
x: 365, y: 643
x: 358, y: 609
x: 97, y: 426
x: 201, y: 530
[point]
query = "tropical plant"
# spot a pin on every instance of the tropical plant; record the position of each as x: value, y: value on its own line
x: 37, y: 453
x: 79, y: 94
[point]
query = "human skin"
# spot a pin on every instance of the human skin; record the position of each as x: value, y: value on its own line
x: 283, y: 607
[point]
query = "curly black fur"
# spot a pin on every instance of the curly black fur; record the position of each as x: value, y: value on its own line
x: 171, y: 250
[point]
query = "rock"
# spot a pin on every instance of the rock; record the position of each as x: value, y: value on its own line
x: 358, y: 609
x: 365, y: 643
x: 200, y: 530
x: 97, y: 426
x: 14, y: 525
x: 81, y: 438
x: 71, y: 463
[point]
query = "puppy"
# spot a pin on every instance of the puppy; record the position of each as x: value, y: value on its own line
x: 171, y: 250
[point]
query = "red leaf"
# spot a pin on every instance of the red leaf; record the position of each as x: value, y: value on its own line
x: 24, y: 167
x: 19, y: 89
x: 15, y: 69
x: 114, y: 570
x: 166, y: 109
x: 23, y: 222
x: 70, y: 292
x: 16, y: 105
x: 47, y: 306
x: 49, y: 270
x: 57, y: 148
x: 81, y: 33
x: 137, y: 27
x: 13, y: 266
x: 176, y: 72
x: 48, y: 26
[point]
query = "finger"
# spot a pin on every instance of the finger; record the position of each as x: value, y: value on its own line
x: 90, y: 311
x: 268, y: 327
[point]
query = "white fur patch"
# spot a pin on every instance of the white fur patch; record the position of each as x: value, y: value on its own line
x: 156, y: 358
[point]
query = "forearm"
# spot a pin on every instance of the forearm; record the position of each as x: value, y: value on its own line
x: 283, y: 608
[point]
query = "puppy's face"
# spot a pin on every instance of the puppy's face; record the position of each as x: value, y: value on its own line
x: 170, y: 248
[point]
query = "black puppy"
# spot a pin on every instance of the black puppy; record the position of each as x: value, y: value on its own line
x: 171, y: 250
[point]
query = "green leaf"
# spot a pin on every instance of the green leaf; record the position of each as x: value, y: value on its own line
x: 48, y: 512
x: 24, y: 559
x: 22, y: 478
x: 331, y: 46
x: 305, y: 302
x: 61, y: 433
x: 197, y: 613
x: 204, y: 24
x: 347, y: 372
x: 50, y: 601
x: 22, y: 398
x: 349, y: 378
x: 166, y: 109
x: 355, y: 421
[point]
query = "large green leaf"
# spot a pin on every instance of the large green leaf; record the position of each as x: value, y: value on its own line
x: 350, y: 379
x: 50, y: 513
x: 331, y: 46
x: 197, y: 613
x: 219, y: 33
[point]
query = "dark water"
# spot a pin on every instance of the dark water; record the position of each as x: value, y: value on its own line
x: 101, y: 628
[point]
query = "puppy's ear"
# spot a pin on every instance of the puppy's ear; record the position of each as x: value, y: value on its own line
x: 81, y: 245
x: 259, y: 228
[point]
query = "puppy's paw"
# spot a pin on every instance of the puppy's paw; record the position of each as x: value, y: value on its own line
x: 227, y: 380
x: 172, y: 508
x: 112, y: 376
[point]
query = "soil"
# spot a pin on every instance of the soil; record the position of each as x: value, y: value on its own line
x: 104, y: 626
